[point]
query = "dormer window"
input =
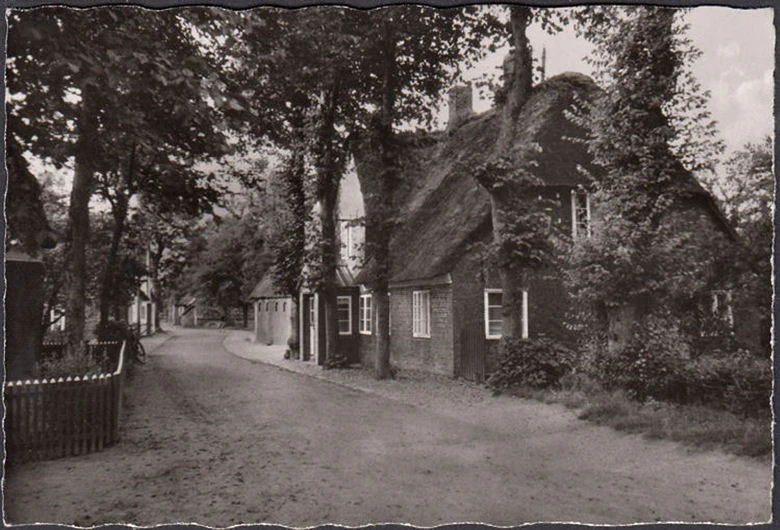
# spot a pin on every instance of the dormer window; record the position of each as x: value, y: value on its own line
x: 580, y: 214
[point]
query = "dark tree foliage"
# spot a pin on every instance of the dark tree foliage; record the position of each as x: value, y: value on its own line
x: 112, y: 92
x: 646, y: 253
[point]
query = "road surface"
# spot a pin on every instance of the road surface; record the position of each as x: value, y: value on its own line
x: 214, y: 439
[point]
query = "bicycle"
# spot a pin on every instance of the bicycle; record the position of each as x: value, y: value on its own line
x: 114, y: 330
x: 135, y: 348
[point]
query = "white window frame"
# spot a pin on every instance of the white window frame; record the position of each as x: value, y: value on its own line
x: 575, y: 221
x: 421, y: 314
x: 340, y: 299
x: 365, y: 314
x: 523, y: 329
x: 488, y: 292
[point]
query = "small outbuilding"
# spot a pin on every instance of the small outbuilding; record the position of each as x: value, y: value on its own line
x: 272, y: 312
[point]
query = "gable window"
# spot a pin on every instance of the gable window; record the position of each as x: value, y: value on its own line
x: 365, y: 314
x: 494, y: 318
x: 344, y: 314
x: 421, y: 314
x: 580, y: 214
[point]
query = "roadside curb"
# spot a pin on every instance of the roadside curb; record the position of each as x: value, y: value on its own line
x: 319, y: 376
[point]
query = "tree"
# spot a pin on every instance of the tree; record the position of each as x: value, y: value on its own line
x: 639, y: 260
x: 291, y: 70
x: 103, y: 88
x: 747, y: 194
x: 227, y: 258
x: 287, y: 234
x: 521, y: 235
x: 361, y: 73
x: 409, y: 54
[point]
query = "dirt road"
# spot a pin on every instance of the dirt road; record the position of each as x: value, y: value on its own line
x: 214, y: 439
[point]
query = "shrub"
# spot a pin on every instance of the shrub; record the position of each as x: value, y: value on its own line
x: 657, y: 365
x: 71, y: 364
x: 649, y: 366
x: 735, y: 380
x: 113, y: 330
x: 535, y: 363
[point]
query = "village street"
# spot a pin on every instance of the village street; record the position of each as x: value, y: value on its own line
x: 212, y: 438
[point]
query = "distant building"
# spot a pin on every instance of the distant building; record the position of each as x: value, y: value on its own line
x: 272, y: 310
x: 142, y: 312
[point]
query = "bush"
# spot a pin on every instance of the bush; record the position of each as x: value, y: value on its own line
x: 537, y: 363
x: 737, y: 381
x: 113, y: 330
x: 657, y: 365
x: 649, y: 366
x: 72, y: 364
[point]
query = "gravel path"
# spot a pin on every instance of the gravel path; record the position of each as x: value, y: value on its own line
x: 211, y: 438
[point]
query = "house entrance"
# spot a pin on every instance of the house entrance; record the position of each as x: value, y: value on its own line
x: 473, y: 352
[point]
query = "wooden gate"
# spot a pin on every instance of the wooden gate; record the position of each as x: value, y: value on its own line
x: 473, y: 352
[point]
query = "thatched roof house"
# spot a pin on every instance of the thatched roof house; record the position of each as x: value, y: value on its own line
x: 440, y: 283
x: 445, y: 304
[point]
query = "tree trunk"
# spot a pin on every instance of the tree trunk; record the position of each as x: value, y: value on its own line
x: 78, y: 216
x: 293, y: 342
x: 503, y: 198
x: 156, y: 291
x: 329, y: 265
x: 519, y: 82
x: 328, y: 169
x: 381, y: 218
x: 107, y: 290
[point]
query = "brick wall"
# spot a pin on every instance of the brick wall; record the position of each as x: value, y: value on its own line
x: 434, y: 354
x: 548, y: 303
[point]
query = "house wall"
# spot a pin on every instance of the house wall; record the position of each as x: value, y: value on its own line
x: 694, y: 216
x: 434, y: 354
x: 548, y: 304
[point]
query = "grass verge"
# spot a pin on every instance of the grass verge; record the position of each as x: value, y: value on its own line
x: 693, y: 425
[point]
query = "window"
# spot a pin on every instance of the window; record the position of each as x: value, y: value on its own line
x: 267, y: 306
x: 721, y: 308
x: 365, y: 314
x: 494, y: 318
x: 421, y: 314
x: 344, y: 314
x: 276, y: 306
x: 580, y: 214
x: 284, y: 307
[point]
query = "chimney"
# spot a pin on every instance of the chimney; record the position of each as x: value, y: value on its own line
x: 460, y: 105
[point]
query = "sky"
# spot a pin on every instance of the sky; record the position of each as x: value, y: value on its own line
x: 736, y: 66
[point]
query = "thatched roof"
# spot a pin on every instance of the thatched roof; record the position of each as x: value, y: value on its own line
x: 445, y: 209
